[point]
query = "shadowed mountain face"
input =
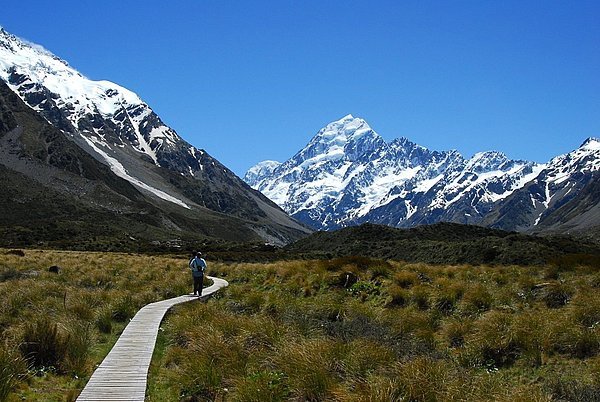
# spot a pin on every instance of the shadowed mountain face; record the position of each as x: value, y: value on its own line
x: 348, y: 175
x: 98, y: 146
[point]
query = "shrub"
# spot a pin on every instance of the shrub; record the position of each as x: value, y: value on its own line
x: 43, y: 344
x: 123, y: 308
x: 364, y: 289
x: 381, y: 270
x: 420, y: 297
x: 104, y: 320
x: 18, y: 253
x: 265, y: 385
x: 362, y: 357
x: 445, y: 300
x: 455, y: 331
x: 9, y: 273
x: 586, y: 310
x: 79, y: 345
x: 308, y: 366
x: 422, y: 379
x: 530, y: 336
x: 82, y: 310
x: 413, y: 332
x: 398, y: 297
x: 576, y: 390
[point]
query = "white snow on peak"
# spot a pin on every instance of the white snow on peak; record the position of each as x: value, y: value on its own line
x: 591, y: 144
x: 268, y: 164
x: 342, y: 130
x: 260, y: 171
x: 47, y: 70
x: 586, y: 158
x: 36, y: 70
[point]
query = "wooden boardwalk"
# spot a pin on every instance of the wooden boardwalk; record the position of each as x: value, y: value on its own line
x: 123, y: 374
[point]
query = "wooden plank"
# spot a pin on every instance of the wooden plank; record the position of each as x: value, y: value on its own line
x: 123, y: 374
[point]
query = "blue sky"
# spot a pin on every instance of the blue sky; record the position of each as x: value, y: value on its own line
x: 255, y: 80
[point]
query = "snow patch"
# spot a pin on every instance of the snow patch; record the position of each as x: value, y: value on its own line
x: 118, y: 169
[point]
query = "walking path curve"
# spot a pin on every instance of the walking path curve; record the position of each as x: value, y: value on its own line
x: 123, y: 374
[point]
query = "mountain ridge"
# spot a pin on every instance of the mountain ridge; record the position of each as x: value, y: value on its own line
x: 116, y: 128
x: 400, y: 183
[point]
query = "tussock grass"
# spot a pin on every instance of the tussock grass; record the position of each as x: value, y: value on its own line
x: 55, y: 327
x: 346, y: 329
x: 352, y: 329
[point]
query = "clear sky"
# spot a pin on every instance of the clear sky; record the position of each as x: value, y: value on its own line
x: 255, y: 80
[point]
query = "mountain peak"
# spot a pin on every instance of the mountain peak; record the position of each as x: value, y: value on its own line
x: 592, y: 143
x: 343, y: 130
x: 347, y: 137
x: 19, y: 57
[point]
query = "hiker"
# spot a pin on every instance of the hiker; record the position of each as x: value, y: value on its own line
x: 198, y: 266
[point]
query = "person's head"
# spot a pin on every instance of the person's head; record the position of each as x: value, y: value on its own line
x: 199, y: 254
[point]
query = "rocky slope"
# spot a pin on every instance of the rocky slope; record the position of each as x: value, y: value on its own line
x: 105, y: 122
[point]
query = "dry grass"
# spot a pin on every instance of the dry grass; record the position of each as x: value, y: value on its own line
x: 302, y: 330
x: 62, y: 324
x: 347, y: 329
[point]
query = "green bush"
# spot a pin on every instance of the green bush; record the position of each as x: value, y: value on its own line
x: 398, y: 297
x: 268, y: 386
x: 493, y: 343
x: 422, y: 380
x: 406, y: 279
x: 420, y: 297
x: 9, y: 273
x: 104, y: 320
x: 307, y: 366
x: 455, y: 331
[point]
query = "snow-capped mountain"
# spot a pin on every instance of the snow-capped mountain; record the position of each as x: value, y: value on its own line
x: 119, y: 129
x: 348, y: 174
x: 563, y: 197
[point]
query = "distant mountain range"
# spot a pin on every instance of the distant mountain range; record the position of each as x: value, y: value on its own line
x: 90, y: 158
x: 348, y: 175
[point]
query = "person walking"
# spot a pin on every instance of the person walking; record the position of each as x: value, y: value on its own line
x: 198, y: 266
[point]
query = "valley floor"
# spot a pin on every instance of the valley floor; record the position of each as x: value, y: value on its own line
x: 346, y: 329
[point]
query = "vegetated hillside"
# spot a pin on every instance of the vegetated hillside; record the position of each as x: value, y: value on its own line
x: 441, y: 243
